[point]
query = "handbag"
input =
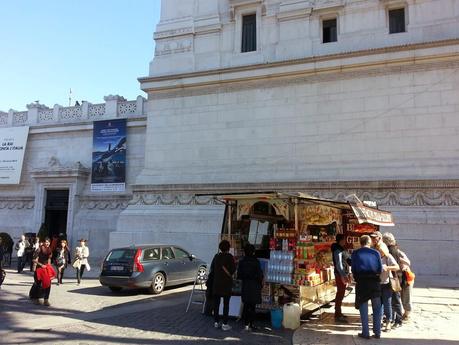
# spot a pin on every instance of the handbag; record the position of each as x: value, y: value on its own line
x: 77, y: 264
x: 394, y: 282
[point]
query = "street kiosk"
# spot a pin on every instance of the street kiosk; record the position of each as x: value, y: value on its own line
x: 293, y: 234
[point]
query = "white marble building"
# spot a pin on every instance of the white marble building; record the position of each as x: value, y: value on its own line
x: 58, y: 157
x: 330, y: 97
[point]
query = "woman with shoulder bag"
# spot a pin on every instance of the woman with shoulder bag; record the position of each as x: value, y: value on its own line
x: 81, y: 260
x: 61, y: 260
x: 389, y: 265
x: 403, y: 300
x: 223, y: 267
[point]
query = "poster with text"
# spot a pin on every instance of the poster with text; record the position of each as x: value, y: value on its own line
x: 109, y: 156
x: 13, y: 142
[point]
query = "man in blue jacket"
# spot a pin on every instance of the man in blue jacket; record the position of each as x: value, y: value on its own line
x: 366, y: 268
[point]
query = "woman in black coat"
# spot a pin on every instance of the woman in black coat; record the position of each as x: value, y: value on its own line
x: 249, y: 271
x: 223, y: 268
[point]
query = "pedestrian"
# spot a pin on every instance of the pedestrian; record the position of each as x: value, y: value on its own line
x: 223, y: 267
x: 341, y: 261
x: 81, y: 260
x: 2, y: 271
x: 21, y: 248
x: 249, y: 271
x: 403, y: 274
x: 61, y: 260
x: 366, y: 268
x: 2, y: 253
x: 35, y: 248
x: 390, y: 266
x: 44, y: 271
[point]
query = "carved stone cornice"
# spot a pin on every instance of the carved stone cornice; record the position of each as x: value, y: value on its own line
x: 117, y: 202
x: 385, y: 193
x: 310, y: 69
x: 17, y: 203
x: 55, y: 169
x: 171, y: 199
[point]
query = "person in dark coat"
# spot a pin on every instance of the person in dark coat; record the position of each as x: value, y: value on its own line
x: 223, y: 268
x: 249, y: 271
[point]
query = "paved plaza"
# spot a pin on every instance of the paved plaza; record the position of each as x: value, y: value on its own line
x: 90, y: 314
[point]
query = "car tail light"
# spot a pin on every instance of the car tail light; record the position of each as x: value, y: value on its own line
x: 138, y: 267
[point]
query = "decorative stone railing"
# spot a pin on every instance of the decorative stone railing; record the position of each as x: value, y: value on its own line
x: 39, y: 114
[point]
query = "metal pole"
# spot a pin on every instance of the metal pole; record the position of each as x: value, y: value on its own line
x: 296, y: 215
x: 230, y: 217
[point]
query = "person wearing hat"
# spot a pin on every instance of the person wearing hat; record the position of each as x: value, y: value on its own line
x: 376, y: 239
x: 81, y: 260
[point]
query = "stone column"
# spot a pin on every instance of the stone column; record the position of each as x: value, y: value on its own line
x: 10, y: 117
x: 111, y: 105
x: 33, y: 109
x: 56, y: 110
x: 85, y: 109
x: 140, y: 101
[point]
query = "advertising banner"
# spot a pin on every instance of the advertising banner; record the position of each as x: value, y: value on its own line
x: 109, y: 156
x: 13, y: 142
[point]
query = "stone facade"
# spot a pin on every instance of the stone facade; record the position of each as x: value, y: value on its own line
x: 374, y: 114
x: 58, y: 156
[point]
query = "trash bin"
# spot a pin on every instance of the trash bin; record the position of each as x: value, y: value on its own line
x: 276, y: 318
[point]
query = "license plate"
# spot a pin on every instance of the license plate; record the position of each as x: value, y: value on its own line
x: 117, y: 268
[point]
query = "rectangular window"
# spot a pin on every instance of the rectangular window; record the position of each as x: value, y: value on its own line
x: 249, y: 33
x: 329, y: 33
x: 151, y: 254
x: 397, y: 21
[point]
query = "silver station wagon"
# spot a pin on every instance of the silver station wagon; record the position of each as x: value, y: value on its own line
x: 152, y: 266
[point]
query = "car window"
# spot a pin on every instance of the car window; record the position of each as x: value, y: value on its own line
x: 151, y: 254
x: 121, y: 255
x: 180, y: 253
x: 167, y: 253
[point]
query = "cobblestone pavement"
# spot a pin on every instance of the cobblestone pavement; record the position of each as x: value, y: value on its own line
x: 435, y: 320
x: 91, y: 314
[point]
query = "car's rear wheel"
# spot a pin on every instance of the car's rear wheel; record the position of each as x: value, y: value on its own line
x: 158, y: 284
x: 115, y: 288
x: 202, y: 274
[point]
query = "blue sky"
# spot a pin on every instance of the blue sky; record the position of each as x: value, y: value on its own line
x: 95, y: 47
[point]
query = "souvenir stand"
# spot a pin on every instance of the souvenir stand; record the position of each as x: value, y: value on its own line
x: 293, y: 234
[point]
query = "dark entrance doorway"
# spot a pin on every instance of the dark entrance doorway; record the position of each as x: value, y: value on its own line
x: 56, y: 209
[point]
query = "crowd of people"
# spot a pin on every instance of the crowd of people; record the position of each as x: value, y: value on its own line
x: 48, y: 259
x: 382, y: 274
x: 380, y: 269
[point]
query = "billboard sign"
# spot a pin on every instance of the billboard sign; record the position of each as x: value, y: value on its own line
x: 13, y: 141
x: 109, y: 156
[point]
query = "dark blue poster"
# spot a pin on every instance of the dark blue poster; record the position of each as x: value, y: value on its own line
x: 109, y: 156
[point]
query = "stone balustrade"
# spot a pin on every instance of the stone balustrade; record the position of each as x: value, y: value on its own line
x: 38, y: 114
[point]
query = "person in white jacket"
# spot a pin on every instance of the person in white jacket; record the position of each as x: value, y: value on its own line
x: 81, y: 260
x: 21, y: 247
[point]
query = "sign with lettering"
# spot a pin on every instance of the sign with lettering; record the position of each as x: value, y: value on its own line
x: 370, y: 215
x: 109, y: 156
x: 13, y: 141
